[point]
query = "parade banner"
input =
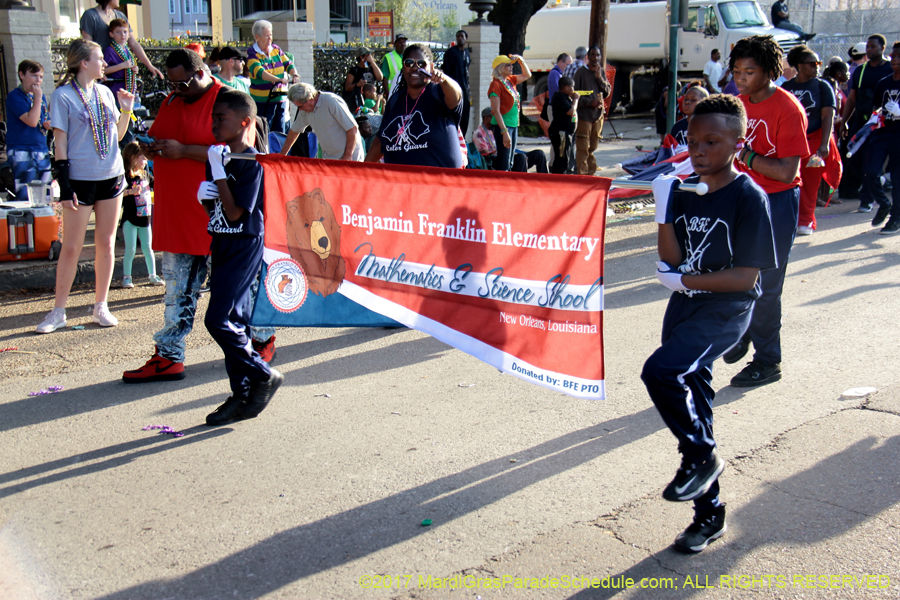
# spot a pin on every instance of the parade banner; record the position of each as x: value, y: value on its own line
x: 503, y: 266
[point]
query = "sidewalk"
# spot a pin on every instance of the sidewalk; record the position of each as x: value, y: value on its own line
x: 41, y: 273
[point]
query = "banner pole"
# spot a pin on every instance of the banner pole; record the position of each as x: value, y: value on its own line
x: 699, y: 188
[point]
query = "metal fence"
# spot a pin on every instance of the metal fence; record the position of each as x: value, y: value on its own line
x: 331, y: 64
x: 152, y: 89
x: 838, y: 30
x: 330, y: 67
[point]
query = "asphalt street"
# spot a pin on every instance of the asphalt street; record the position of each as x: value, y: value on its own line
x: 530, y: 494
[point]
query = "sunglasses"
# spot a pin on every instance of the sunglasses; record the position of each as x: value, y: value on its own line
x: 818, y: 63
x: 180, y: 85
x: 409, y: 63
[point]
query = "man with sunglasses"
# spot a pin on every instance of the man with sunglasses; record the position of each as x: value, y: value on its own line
x: 182, y: 134
x: 231, y: 66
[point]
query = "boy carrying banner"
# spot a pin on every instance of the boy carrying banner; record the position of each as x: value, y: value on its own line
x: 711, y: 250
x: 235, y: 188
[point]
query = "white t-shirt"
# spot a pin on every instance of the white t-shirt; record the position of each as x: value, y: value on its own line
x: 713, y: 70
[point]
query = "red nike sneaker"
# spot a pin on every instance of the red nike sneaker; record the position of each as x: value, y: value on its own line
x: 266, y: 349
x: 157, y: 368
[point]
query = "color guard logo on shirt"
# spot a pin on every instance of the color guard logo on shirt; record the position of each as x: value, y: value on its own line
x: 805, y: 98
x: 286, y: 285
x: 758, y: 137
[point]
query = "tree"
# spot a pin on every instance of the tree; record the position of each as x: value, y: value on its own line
x: 512, y: 17
x: 418, y: 20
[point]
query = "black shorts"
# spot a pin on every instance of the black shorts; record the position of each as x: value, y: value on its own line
x: 89, y: 192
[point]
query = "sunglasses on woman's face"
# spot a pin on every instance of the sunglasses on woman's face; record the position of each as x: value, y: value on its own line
x: 409, y: 63
x: 818, y: 63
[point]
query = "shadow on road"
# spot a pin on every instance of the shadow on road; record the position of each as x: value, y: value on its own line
x: 823, y: 502
x: 153, y: 443
x: 73, y: 401
x: 339, y: 539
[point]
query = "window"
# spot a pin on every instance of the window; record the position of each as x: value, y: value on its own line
x: 173, y: 7
x: 738, y: 15
x: 67, y: 9
x: 712, y: 23
x: 691, y: 25
x: 187, y: 7
x: 203, y: 7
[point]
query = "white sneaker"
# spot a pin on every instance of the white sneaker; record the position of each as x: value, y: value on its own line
x: 55, y: 320
x: 804, y: 230
x: 156, y: 281
x: 127, y: 283
x: 103, y: 317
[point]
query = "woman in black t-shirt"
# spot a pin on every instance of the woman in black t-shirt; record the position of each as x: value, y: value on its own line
x: 817, y: 98
x: 365, y: 71
x: 420, y: 125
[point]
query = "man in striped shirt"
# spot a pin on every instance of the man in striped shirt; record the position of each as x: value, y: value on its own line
x: 270, y: 73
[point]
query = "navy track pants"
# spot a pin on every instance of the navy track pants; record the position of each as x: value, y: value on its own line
x: 237, y: 261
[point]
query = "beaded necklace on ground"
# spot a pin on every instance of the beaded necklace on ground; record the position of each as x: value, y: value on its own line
x: 125, y: 55
x: 99, y: 120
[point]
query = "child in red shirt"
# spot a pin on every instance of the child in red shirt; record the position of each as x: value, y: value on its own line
x: 776, y: 142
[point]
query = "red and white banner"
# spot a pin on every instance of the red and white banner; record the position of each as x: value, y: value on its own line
x: 505, y: 267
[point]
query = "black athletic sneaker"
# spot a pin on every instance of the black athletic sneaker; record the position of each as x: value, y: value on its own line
x: 260, y: 395
x: 738, y: 351
x: 756, y: 373
x: 693, y: 480
x: 891, y: 228
x: 707, y: 526
x: 229, y: 412
x: 880, y: 215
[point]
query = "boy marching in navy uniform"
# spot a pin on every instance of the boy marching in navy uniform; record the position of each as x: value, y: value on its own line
x: 236, y: 226
x: 711, y: 250
x: 776, y: 142
x: 884, y: 144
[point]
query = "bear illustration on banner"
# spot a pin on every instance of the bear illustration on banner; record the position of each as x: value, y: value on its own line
x: 314, y: 241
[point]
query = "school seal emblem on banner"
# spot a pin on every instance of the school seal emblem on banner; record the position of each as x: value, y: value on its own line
x: 286, y: 285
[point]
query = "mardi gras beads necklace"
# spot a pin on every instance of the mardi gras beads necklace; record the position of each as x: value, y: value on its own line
x: 512, y: 92
x: 125, y: 55
x: 100, y: 122
x: 44, y: 115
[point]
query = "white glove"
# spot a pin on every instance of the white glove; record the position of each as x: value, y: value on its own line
x: 662, y: 191
x: 217, y: 160
x: 669, y: 277
x: 207, y: 191
x: 893, y: 108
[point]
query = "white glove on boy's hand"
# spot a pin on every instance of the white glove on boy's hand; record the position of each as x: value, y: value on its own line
x: 663, y: 186
x: 893, y: 108
x: 207, y: 191
x: 669, y: 277
x: 217, y: 160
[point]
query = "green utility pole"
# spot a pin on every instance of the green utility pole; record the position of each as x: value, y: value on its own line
x: 675, y: 19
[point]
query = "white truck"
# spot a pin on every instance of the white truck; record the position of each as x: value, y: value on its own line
x: 638, y: 41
